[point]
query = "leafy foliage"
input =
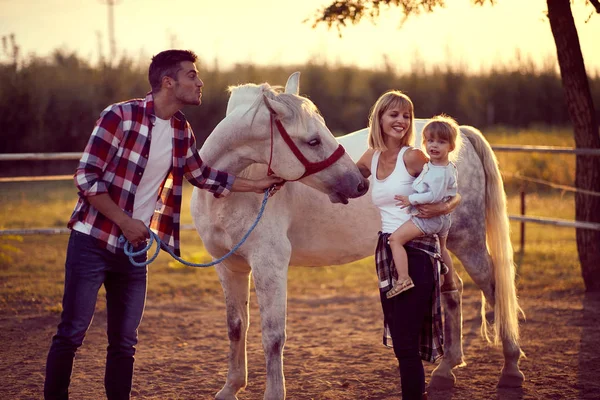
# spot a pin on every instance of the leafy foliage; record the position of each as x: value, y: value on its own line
x: 340, y: 12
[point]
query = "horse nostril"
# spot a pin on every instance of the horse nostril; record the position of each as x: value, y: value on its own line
x: 363, y: 186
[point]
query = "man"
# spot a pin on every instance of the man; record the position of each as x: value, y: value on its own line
x: 129, y: 177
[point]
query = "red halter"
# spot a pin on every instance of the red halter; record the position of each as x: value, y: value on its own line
x: 310, y: 167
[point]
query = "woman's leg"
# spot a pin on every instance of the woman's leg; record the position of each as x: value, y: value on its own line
x: 405, y: 315
x: 405, y: 233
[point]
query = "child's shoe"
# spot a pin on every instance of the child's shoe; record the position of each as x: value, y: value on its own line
x: 399, y: 287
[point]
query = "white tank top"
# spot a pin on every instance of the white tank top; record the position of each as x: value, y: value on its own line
x: 383, y: 192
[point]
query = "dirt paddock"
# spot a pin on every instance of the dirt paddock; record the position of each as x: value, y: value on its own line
x: 333, y: 351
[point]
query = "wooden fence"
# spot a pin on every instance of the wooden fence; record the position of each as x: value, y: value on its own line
x: 522, y: 218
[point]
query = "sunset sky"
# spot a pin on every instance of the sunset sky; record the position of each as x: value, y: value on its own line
x: 272, y: 31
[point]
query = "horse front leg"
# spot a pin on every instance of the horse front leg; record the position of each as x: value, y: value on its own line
x: 236, y: 288
x: 270, y: 281
x: 442, y: 376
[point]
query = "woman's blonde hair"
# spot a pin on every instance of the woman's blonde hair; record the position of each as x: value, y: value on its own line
x: 390, y: 99
x: 443, y: 127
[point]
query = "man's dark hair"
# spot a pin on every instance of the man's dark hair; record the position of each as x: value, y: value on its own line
x: 167, y: 63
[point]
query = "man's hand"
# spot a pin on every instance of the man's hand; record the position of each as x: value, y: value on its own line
x: 273, y: 182
x: 402, y: 201
x: 256, y: 186
x: 275, y: 188
x: 135, y: 231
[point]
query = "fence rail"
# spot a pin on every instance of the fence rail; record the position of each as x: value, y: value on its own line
x: 39, y: 156
x: 189, y: 227
x: 509, y: 148
x: 556, y: 222
x: 548, y: 149
x: 77, y: 156
x: 59, y: 231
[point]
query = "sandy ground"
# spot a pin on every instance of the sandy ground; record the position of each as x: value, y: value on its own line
x: 333, y: 351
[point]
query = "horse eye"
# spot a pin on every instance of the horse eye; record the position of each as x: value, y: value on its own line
x: 314, y: 142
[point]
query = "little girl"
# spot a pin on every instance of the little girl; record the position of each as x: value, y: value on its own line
x: 437, y: 182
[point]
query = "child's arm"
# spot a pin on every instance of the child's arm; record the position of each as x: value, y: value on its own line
x: 403, y: 201
x: 448, y: 188
x: 433, y: 189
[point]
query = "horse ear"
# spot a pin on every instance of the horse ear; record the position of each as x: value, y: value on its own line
x: 293, y: 84
x: 276, y: 108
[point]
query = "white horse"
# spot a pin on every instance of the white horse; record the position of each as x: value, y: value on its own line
x: 301, y: 227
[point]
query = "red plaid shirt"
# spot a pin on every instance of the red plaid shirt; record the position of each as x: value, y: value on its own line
x: 114, y: 160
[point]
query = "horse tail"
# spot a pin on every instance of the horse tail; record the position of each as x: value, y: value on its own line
x: 506, y: 306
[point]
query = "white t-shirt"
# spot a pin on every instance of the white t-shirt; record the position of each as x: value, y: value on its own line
x: 159, y: 164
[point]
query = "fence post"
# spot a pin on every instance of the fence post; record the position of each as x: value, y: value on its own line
x: 522, y: 248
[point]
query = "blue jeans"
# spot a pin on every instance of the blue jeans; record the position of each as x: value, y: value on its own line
x: 405, y: 315
x: 87, y: 267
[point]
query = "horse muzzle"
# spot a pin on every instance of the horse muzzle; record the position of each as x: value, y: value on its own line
x: 343, y: 192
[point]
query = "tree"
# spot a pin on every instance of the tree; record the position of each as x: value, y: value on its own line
x: 576, y: 89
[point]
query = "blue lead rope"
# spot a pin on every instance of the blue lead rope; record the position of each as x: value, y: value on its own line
x: 154, y: 237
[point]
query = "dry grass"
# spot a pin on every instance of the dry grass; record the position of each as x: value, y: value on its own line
x: 555, y: 168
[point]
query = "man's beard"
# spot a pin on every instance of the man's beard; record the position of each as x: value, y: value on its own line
x: 189, y: 100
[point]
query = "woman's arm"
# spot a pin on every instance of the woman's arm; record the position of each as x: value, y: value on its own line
x: 437, y: 209
x: 414, y: 160
x: 364, y: 163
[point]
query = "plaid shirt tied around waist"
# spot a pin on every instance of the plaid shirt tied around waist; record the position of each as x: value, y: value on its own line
x: 114, y: 160
x: 432, y: 333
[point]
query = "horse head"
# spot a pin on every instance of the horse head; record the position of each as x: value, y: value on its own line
x: 286, y: 132
x: 303, y: 148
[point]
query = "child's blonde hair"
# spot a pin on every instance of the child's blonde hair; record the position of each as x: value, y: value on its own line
x: 390, y: 99
x: 444, y: 127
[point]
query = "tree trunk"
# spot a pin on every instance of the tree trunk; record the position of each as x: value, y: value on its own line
x: 581, y: 112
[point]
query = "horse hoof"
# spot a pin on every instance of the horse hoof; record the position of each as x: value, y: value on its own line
x: 511, y: 381
x: 442, y: 382
x: 225, y: 395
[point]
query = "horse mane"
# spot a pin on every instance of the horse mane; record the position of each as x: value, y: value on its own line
x: 251, y: 95
x: 454, y: 155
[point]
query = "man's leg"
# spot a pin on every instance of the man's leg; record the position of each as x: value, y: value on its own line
x: 125, y: 300
x: 84, y: 274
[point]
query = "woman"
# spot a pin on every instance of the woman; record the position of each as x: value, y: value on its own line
x: 413, y: 318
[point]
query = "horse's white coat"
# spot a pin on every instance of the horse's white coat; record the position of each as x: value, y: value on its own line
x: 301, y: 226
